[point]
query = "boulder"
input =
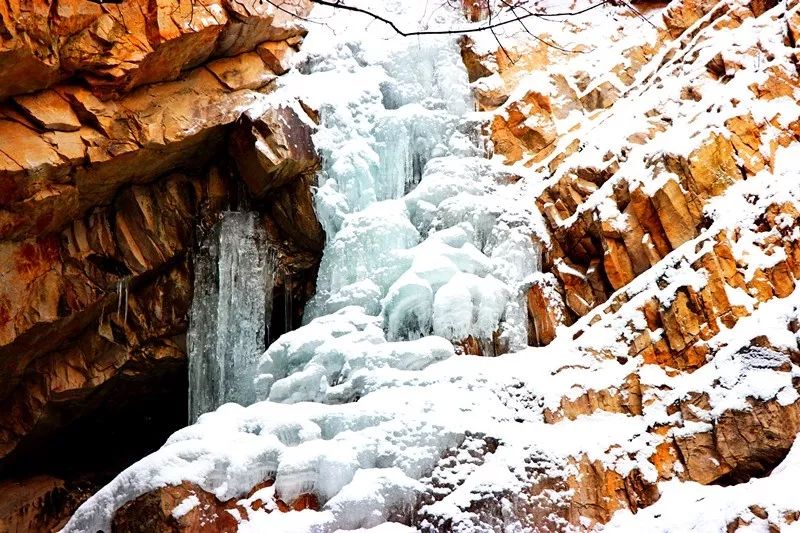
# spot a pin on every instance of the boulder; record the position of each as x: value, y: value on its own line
x: 187, y: 507
x: 743, y: 443
x: 274, y: 148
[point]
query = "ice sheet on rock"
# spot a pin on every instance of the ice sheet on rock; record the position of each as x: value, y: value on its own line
x: 469, y: 305
x: 327, y: 359
x: 406, y: 139
x: 389, y: 493
x: 364, y: 249
x: 234, y: 274
x: 376, y: 140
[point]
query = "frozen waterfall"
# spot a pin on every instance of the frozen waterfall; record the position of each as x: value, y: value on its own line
x: 230, y: 311
x: 427, y: 243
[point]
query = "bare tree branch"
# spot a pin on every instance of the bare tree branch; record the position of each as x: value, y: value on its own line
x: 551, y: 44
x: 492, y: 25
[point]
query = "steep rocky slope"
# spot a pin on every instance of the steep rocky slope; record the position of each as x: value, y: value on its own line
x: 654, y: 164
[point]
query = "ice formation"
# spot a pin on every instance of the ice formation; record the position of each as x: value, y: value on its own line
x: 404, y: 195
x: 233, y: 291
x: 419, y: 234
x: 428, y: 244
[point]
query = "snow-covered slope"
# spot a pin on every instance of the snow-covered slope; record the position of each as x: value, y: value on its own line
x: 636, y: 216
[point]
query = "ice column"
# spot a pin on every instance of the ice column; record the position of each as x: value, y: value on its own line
x: 231, y: 308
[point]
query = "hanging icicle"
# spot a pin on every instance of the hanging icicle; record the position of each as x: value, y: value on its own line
x: 234, y: 277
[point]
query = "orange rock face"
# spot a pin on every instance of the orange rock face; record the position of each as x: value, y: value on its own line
x: 114, y: 125
x: 41, y: 503
x: 62, y: 284
x: 742, y: 444
x: 187, y: 507
x: 528, y: 127
x: 115, y: 48
x: 65, y: 149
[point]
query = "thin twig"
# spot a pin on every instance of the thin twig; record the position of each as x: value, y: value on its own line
x: 540, y: 39
x: 338, y: 4
x: 637, y: 12
x: 496, y: 38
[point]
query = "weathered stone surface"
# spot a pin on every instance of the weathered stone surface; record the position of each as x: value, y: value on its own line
x: 709, y: 170
x: 49, y: 179
x: 476, y: 64
x: 45, y: 394
x: 115, y: 48
x: 617, y: 263
x: 50, y: 278
x: 742, y: 444
x: 600, y: 97
x: 600, y: 491
x: 277, y: 55
x: 41, y: 503
x: 291, y: 209
x: 475, y: 10
x: 490, y: 92
x: 545, y: 311
x: 274, y: 149
x: 680, y: 15
x: 527, y: 127
x: 49, y: 110
x: 246, y: 71
x: 253, y: 22
x: 154, y: 511
x: 626, y: 399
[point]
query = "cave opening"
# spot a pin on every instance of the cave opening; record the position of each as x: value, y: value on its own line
x: 755, y: 467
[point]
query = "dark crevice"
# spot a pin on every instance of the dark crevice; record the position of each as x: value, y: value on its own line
x: 125, y: 419
x: 109, y: 265
x: 753, y: 468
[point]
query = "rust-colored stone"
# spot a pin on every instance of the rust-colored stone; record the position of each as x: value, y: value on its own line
x: 274, y: 149
x: 528, y: 128
x: 115, y: 48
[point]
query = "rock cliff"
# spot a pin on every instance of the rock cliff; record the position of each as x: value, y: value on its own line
x: 664, y: 250
x: 122, y: 138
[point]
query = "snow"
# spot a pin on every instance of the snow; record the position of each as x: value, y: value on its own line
x: 326, y: 359
x: 689, y: 506
x: 368, y: 407
x: 186, y: 505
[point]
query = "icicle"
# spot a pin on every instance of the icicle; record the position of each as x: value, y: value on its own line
x: 123, y: 292
x: 119, y: 297
x: 126, y: 285
x: 234, y: 277
x: 102, y: 318
x: 287, y: 307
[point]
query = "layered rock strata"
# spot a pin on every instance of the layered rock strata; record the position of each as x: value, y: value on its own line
x: 120, y: 130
